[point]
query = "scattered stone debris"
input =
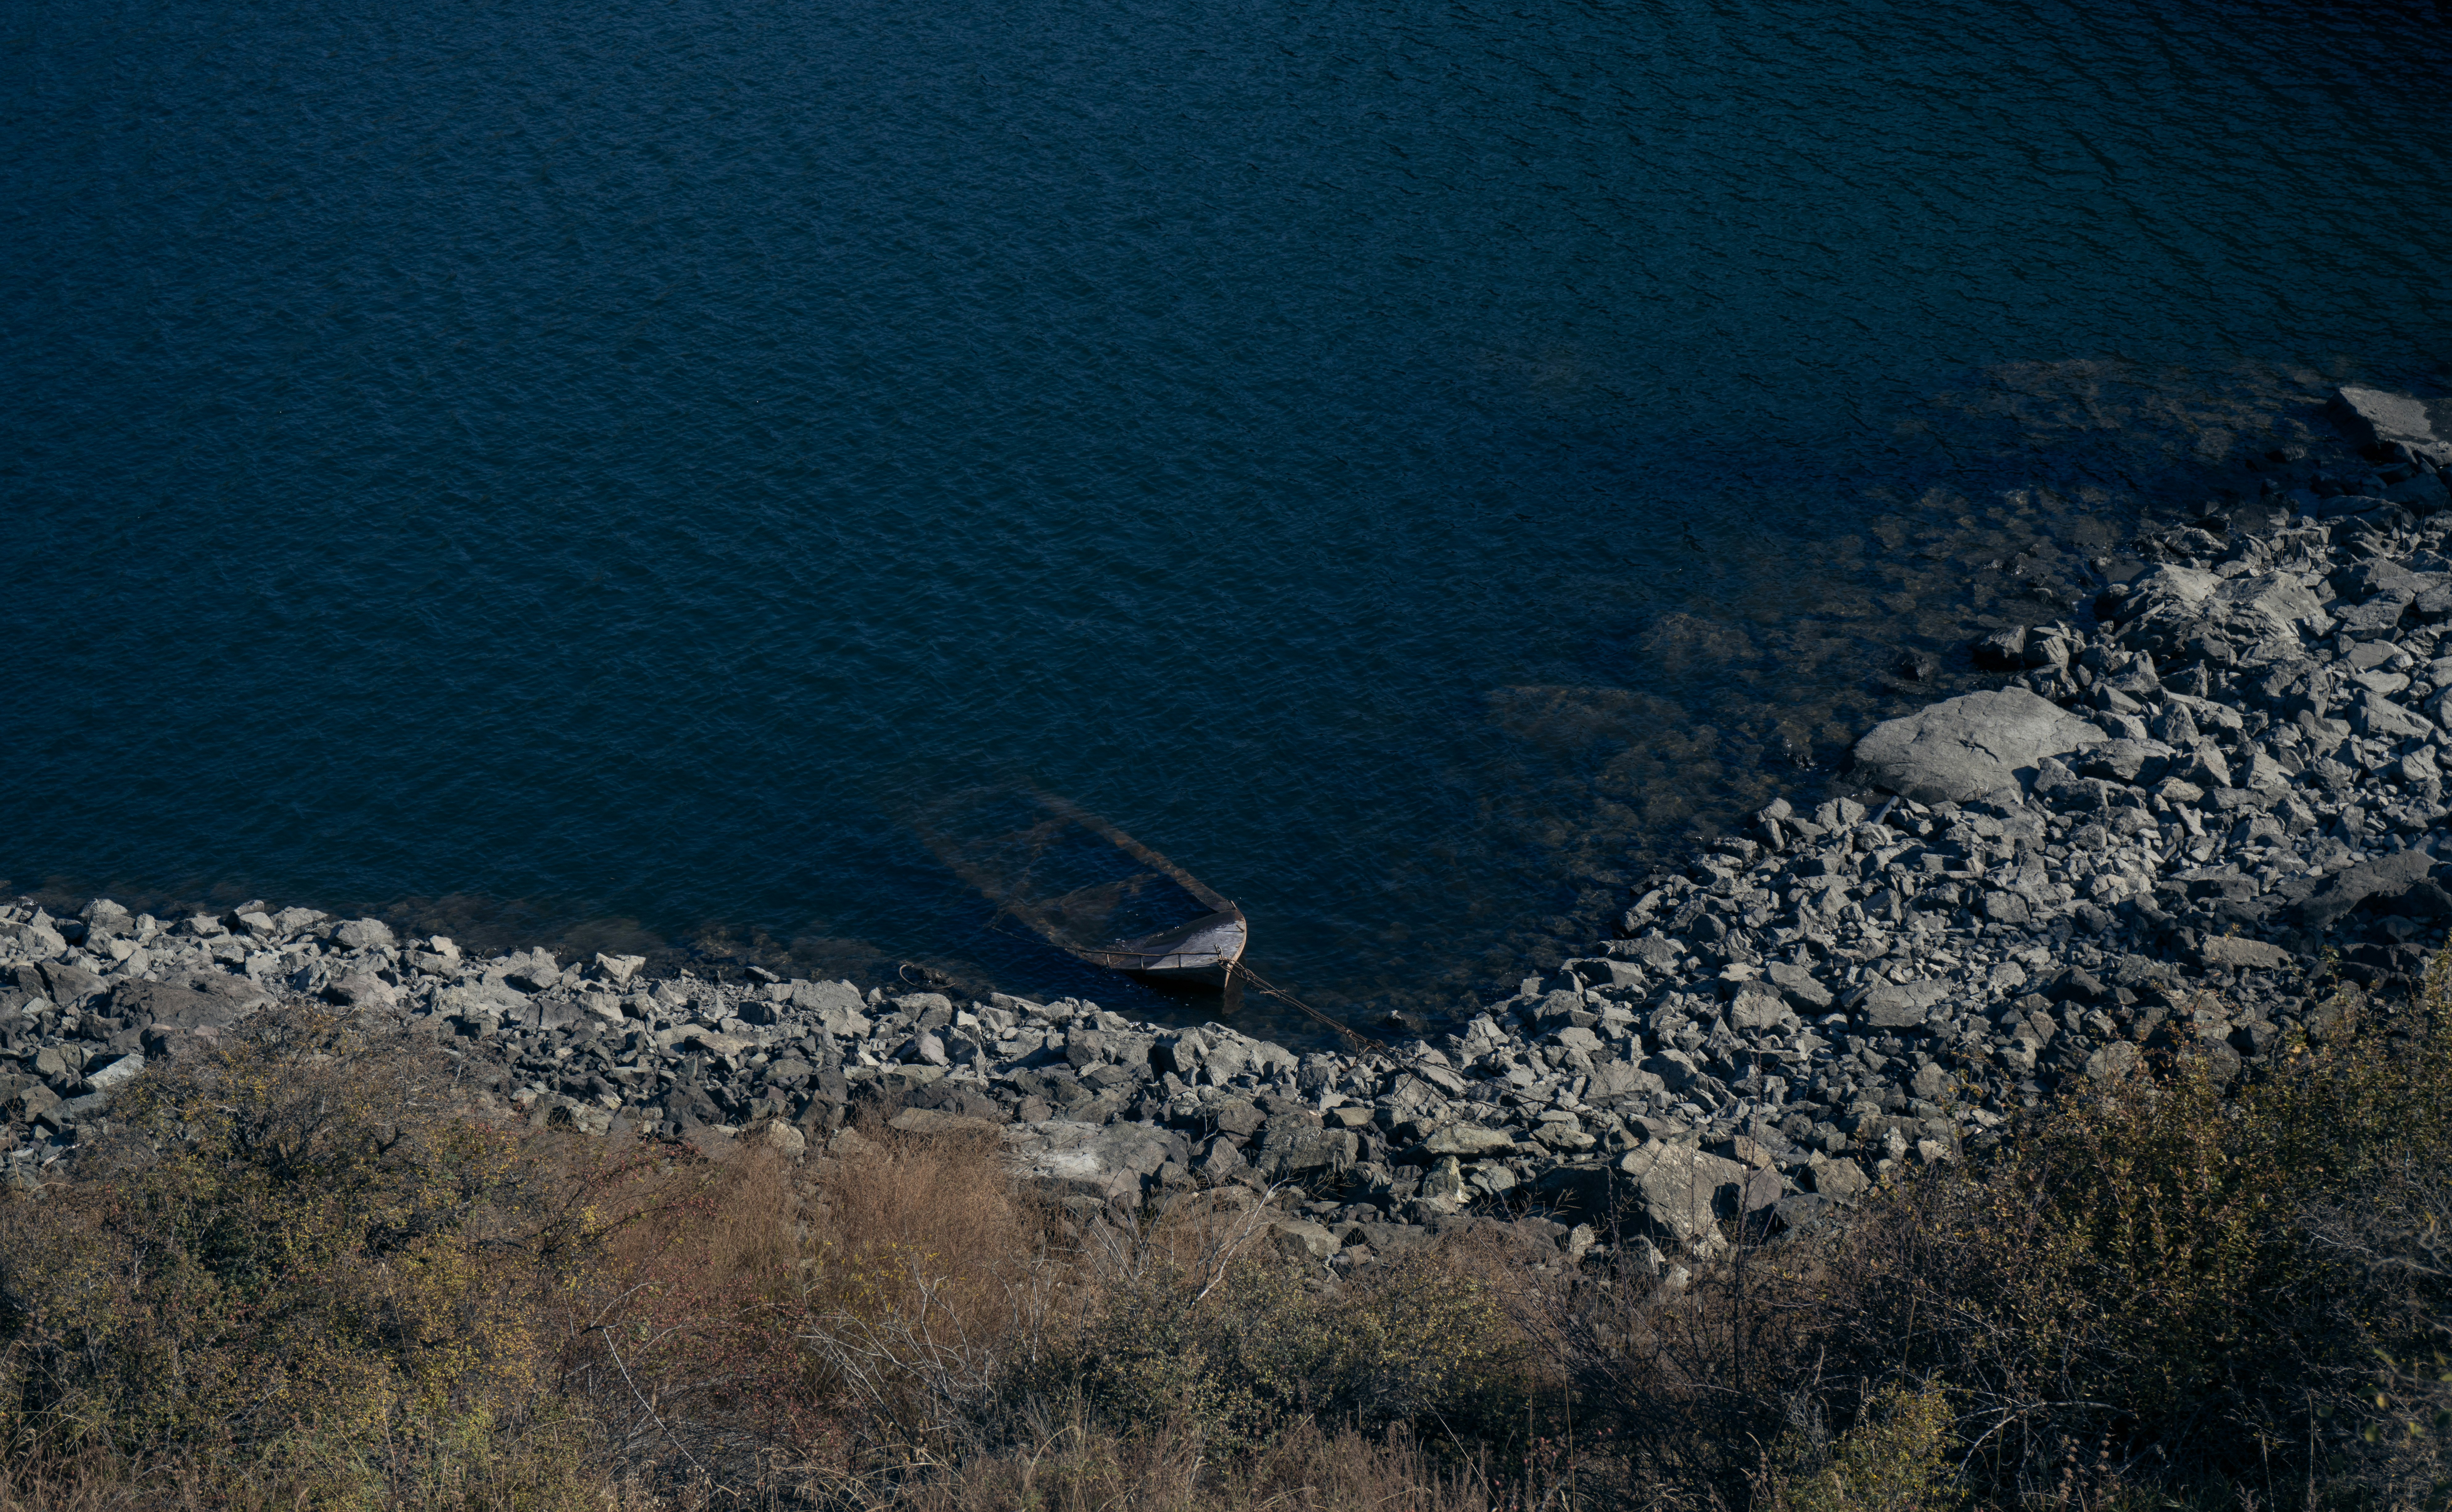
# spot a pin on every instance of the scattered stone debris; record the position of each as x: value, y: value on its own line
x: 2227, y: 772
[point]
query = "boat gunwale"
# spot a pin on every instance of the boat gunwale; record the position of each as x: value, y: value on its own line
x: 1116, y: 956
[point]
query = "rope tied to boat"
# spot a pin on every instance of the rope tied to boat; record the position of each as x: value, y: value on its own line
x: 1351, y: 1038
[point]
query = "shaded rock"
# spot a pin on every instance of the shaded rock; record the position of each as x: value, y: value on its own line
x: 1305, y: 1151
x: 2139, y: 763
x: 2001, y: 650
x: 31, y: 1102
x: 2383, y: 878
x: 1599, y: 972
x: 1656, y: 951
x: 2079, y: 983
x: 2005, y: 908
x: 1797, y: 1211
x: 68, y: 985
x: 2377, y: 715
x: 1237, y: 1116
x: 1801, y: 987
x: 2374, y: 416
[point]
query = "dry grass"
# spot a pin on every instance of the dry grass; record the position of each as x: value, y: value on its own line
x: 304, y: 1278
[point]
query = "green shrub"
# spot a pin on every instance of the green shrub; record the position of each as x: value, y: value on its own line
x: 1898, y: 1458
x: 292, y: 1266
x: 2143, y: 1277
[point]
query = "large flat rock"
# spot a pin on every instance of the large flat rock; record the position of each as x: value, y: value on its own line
x: 2371, y: 416
x: 1089, y: 1159
x: 1962, y: 748
x: 194, y: 999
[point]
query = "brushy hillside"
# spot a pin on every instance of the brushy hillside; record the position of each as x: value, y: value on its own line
x: 296, y: 1275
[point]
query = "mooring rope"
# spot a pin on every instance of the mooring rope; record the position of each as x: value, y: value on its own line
x: 1353, y: 1038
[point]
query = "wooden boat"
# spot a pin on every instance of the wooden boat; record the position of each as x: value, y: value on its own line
x: 1086, y: 887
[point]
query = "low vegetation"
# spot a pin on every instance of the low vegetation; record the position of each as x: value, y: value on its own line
x: 301, y: 1273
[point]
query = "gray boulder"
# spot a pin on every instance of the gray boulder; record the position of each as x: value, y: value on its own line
x: 495, y: 999
x: 363, y: 934
x: 1800, y: 986
x: 835, y: 1006
x: 1962, y: 748
x: 361, y: 990
x: 1086, y: 1160
x: 1305, y: 1151
x: 1839, y: 1178
x: 2111, y: 1062
x: 531, y: 970
x: 1759, y: 1004
x: 1617, y: 1078
x: 1901, y: 1005
x: 117, y: 1074
x: 2378, y: 716
x: 1471, y: 1141
x: 2138, y: 763
x: 68, y: 985
x: 40, y: 940
x: 188, y: 1000
x: 618, y: 969
x: 1677, y: 1192
x: 2226, y: 951
x: 2282, y: 601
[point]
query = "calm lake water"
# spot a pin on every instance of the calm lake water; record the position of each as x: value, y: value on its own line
x: 591, y: 472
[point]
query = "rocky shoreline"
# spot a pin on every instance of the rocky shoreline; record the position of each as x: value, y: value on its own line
x: 2182, y: 813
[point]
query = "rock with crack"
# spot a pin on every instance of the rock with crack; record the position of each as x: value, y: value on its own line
x: 1962, y: 749
x: 1677, y: 1192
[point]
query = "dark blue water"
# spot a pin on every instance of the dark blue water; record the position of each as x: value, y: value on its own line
x: 595, y: 470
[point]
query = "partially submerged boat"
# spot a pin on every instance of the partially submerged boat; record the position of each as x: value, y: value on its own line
x: 1086, y: 887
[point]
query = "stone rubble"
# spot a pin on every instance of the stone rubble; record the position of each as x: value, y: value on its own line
x: 2232, y: 763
